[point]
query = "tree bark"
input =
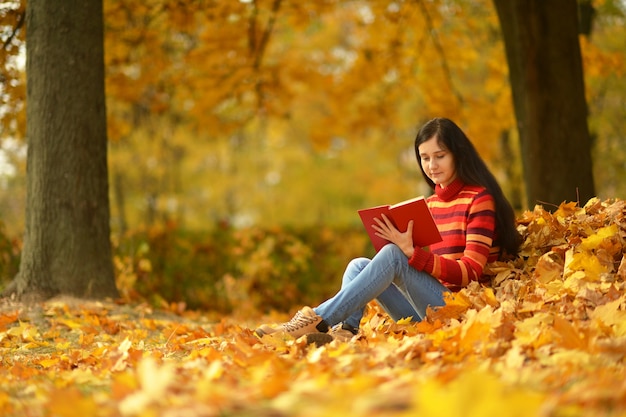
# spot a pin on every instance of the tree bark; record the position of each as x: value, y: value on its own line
x: 546, y: 73
x: 67, y: 247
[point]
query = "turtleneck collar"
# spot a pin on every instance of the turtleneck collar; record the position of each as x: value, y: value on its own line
x: 449, y: 192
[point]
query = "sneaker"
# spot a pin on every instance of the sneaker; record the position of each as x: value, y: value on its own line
x: 303, y: 322
x: 343, y: 332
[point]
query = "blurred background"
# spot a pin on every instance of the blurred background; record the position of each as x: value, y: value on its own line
x: 244, y: 135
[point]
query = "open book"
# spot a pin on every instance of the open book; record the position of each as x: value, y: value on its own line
x: 425, y: 230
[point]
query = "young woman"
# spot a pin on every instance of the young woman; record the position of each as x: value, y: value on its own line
x: 475, y: 220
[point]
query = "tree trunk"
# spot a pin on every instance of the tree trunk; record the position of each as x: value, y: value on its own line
x: 67, y: 248
x: 545, y: 69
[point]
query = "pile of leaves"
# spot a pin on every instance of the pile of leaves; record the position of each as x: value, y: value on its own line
x: 232, y: 270
x: 547, y: 338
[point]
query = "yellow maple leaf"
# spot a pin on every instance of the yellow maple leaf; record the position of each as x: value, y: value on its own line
x: 48, y: 362
x: 567, y: 209
x: 549, y: 267
x: 478, y: 326
x: 63, y: 345
x: 476, y: 394
x: 585, y: 262
x: 26, y: 331
x: 490, y: 297
x: 70, y: 323
x: 600, y: 237
x: 533, y: 330
x: 612, y: 316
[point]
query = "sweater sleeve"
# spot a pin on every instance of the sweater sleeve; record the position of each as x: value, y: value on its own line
x: 459, y: 269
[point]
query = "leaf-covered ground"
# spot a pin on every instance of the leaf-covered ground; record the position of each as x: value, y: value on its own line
x: 548, y: 338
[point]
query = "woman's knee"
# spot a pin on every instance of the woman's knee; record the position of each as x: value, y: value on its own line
x: 354, y: 267
x: 358, y: 263
x: 391, y: 252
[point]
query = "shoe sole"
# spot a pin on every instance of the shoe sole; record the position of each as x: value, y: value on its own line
x: 263, y: 330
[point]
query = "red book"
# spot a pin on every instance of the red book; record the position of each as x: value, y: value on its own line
x: 425, y: 230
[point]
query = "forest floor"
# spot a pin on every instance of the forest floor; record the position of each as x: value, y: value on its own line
x: 547, y: 338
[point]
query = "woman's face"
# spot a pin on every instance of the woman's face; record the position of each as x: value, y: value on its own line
x: 437, y: 162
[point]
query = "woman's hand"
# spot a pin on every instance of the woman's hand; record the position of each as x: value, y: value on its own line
x: 385, y: 229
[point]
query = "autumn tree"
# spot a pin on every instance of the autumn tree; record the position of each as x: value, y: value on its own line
x: 546, y: 73
x: 66, y: 243
x: 220, y: 107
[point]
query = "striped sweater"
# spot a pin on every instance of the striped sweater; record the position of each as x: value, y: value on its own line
x: 465, y: 216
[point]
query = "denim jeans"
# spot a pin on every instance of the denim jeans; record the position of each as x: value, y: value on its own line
x: 399, y: 288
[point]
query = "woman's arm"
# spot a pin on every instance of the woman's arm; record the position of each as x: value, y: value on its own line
x: 464, y: 264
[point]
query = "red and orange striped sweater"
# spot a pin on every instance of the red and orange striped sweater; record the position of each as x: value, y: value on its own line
x: 465, y: 216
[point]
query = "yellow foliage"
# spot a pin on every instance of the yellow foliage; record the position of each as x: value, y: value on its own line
x: 182, y: 76
x: 476, y: 393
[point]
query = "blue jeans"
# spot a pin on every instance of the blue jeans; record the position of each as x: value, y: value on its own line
x: 399, y: 288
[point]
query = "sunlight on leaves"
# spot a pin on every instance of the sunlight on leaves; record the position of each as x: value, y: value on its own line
x: 546, y: 337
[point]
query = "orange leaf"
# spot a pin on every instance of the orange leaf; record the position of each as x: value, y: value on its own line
x: 7, y: 318
x: 70, y: 402
x: 570, y: 337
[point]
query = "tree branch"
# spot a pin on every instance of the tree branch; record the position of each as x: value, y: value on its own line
x: 437, y: 42
x: 266, y: 34
x: 21, y: 16
x: 257, y: 49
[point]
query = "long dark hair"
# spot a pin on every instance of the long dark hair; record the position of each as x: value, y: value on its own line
x: 471, y: 169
